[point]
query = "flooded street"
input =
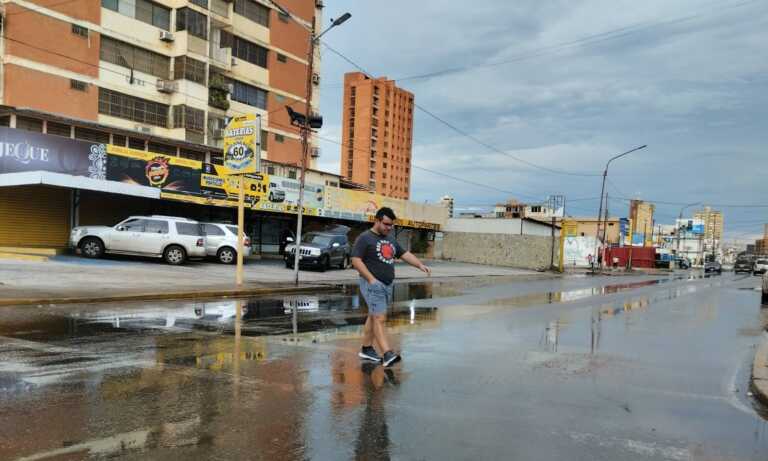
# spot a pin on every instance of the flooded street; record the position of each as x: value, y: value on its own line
x: 576, y: 368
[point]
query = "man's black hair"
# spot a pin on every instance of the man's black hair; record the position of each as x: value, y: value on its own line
x: 385, y: 211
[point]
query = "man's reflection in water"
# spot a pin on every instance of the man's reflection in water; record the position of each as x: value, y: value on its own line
x: 373, y: 435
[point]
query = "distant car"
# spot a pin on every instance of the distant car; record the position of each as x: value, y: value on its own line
x: 320, y: 250
x: 743, y: 265
x: 713, y: 266
x: 683, y: 263
x: 221, y: 242
x: 760, y: 267
x: 276, y: 194
x: 171, y: 238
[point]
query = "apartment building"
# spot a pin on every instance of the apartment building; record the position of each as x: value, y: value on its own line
x: 166, y: 70
x: 377, y: 134
x: 713, y: 223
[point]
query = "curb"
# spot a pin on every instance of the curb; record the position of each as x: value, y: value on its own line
x: 223, y: 293
x: 760, y: 372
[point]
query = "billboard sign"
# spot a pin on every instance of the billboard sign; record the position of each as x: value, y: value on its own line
x: 215, y: 183
x: 242, y: 151
x: 22, y: 150
x: 131, y: 166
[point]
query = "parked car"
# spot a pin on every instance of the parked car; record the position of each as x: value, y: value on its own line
x: 683, y: 263
x: 765, y: 288
x: 320, y: 250
x: 713, y: 266
x: 760, y: 267
x: 171, y: 238
x: 221, y: 242
x: 743, y: 265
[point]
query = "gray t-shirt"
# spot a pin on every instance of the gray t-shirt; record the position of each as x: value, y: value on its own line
x: 378, y: 254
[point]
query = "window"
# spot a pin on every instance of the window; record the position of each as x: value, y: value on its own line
x: 132, y: 108
x: 250, y: 95
x: 118, y: 140
x: 193, y: 22
x: 87, y: 134
x: 135, y: 143
x: 154, y: 226
x: 292, y: 174
x: 79, y: 30
x: 270, y: 170
x: 279, y: 138
x: 133, y: 57
x: 161, y: 148
x: 133, y: 225
x: 78, y: 85
x: 190, y: 69
x: 142, y: 10
x: 5, y: 120
x: 188, y: 118
x: 29, y: 124
x: 184, y: 228
x: 264, y: 140
x: 192, y: 155
x: 256, y: 12
x: 282, y: 58
x: 210, y: 229
x: 245, y: 50
x: 59, y: 129
x: 200, y: 3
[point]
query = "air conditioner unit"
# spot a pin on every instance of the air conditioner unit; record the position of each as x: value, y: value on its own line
x: 167, y: 86
x: 316, y: 79
x: 233, y: 62
x: 230, y: 88
x: 143, y: 129
x: 166, y: 36
x: 315, y: 152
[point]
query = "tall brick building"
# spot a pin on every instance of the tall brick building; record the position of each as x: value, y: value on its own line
x: 168, y: 70
x: 377, y: 135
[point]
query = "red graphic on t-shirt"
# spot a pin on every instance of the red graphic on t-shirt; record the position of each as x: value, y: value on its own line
x: 387, y: 251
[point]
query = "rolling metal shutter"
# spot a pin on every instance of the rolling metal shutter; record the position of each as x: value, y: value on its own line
x: 34, y: 216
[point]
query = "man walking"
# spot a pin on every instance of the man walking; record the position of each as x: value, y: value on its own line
x: 373, y: 256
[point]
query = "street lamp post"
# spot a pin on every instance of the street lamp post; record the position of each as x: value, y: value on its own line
x: 305, y: 126
x: 680, y: 218
x: 602, y: 194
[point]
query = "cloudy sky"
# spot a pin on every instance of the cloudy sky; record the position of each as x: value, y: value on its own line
x: 565, y: 85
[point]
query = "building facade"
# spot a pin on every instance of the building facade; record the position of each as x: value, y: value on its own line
x: 377, y: 134
x: 641, y: 223
x: 713, y: 223
x: 447, y: 201
x: 161, y: 69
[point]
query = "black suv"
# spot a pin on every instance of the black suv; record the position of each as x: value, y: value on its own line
x: 320, y: 250
x: 743, y: 265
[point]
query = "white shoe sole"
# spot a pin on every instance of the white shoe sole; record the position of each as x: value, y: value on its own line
x: 393, y: 360
x: 368, y: 357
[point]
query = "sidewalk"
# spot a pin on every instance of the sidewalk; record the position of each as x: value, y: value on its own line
x: 70, y: 279
x: 760, y: 371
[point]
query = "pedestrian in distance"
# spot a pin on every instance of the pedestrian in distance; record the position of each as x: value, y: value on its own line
x: 373, y: 256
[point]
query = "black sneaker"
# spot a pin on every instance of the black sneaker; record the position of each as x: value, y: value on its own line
x: 390, y: 358
x: 369, y: 353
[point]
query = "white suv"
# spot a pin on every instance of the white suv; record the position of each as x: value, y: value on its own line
x: 173, y: 239
x: 221, y: 242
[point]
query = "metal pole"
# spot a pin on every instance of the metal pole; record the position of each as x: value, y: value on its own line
x: 304, y: 152
x: 600, y: 212
x: 240, y: 230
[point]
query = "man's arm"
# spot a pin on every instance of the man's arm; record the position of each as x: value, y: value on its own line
x: 411, y: 259
x: 360, y: 267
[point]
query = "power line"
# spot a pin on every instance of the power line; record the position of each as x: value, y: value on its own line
x: 464, y: 133
x: 588, y: 40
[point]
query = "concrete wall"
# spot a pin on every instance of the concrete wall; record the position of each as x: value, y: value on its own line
x: 509, y: 226
x: 523, y: 251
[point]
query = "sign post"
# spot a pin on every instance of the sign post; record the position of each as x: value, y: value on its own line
x: 242, y: 155
x: 567, y: 229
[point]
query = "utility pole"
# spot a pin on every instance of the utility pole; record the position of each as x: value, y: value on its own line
x: 305, y: 126
x: 602, y: 189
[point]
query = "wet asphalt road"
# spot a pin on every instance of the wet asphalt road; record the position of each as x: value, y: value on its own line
x: 579, y: 368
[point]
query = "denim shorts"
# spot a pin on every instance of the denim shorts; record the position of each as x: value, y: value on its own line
x: 377, y: 296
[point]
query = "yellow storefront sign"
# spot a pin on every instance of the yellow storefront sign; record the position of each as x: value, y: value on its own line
x: 242, y: 151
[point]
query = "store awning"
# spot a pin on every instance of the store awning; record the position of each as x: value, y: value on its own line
x: 30, y: 178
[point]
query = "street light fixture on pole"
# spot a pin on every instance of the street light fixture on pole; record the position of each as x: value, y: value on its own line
x: 306, y: 124
x: 602, y: 194
x: 680, y: 218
